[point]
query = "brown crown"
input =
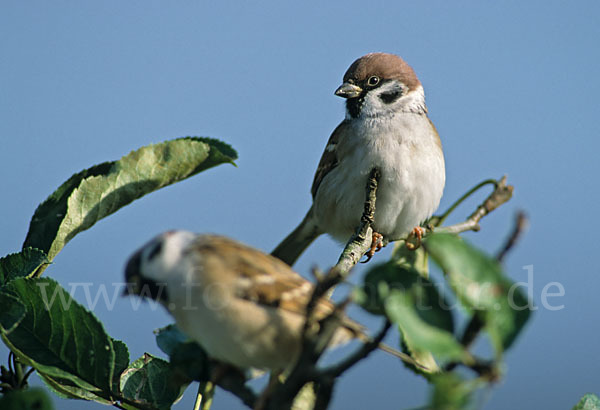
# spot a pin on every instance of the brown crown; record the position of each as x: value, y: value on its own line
x: 385, y: 66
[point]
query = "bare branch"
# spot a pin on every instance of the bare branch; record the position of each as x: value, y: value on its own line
x: 317, y: 332
x: 360, y: 242
x: 314, y: 343
x: 235, y: 383
x: 485, y: 369
x: 521, y: 223
x: 366, y: 349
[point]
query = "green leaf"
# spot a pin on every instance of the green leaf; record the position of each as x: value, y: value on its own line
x: 419, y: 335
x: 430, y: 305
x: 481, y: 286
x: 33, y: 398
x: 68, y: 390
x: 420, y: 311
x: 168, y: 338
x: 48, y: 216
x: 12, y: 312
x: 148, y: 381
x: 451, y: 392
x: 121, y: 363
x: 588, y: 402
x: 21, y: 264
x: 60, y: 338
x: 411, y: 259
x: 99, y: 191
x: 189, y: 361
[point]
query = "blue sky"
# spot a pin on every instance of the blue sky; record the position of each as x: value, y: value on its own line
x: 511, y: 86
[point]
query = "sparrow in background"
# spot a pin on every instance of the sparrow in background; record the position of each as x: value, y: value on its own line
x: 386, y: 127
x: 244, y: 307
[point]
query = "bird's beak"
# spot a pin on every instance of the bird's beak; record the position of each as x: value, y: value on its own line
x: 348, y: 90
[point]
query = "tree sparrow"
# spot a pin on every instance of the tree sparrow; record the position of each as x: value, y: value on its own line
x: 244, y: 307
x: 386, y: 127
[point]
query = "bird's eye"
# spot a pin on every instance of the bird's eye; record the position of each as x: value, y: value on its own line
x: 373, y: 81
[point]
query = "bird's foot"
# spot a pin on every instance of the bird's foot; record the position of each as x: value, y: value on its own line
x: 376, y: 246
x: 414, y: 238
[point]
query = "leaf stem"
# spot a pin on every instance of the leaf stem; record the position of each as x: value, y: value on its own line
x: 11, y: 356
x: 18, y: 370
x: 501, y: 194
x: 23, y: 381
x: 440, y: 219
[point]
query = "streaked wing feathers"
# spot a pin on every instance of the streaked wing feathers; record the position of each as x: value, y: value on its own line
x: 263, y: 278
x: 329, y: 159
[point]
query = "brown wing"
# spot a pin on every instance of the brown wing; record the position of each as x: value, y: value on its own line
x: 262, y: 278
x: 329, y: 158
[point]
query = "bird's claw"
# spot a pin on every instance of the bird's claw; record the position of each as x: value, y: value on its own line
x: 414, y: 239
x: 376, y: 246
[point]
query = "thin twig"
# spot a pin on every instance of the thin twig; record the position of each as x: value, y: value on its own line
x: 360, y: 242
x: 440, y: 219
x: 355, y: 248
x: 519, y: 229
x: 501, y: 194
x: 484, y: 368
x: 366, y: 349
x: 26, y: 376
x: 11, y: 358
x: 235, y: 383
x: 323, y: 393
x: 470, y: 333
x: 19, y: 371
x: 313, y: 344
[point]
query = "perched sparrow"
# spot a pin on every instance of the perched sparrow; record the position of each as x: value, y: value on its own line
x: 386, y: 127
x: 244, y: 307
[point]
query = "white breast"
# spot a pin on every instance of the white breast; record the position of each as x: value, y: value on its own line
x: 406, y: 150
x: 232, y: 330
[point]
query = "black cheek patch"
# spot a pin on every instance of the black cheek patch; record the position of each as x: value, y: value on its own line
x: 390, y: 97
x: 155, y: 250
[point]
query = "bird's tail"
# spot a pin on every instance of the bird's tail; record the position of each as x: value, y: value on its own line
x: 296, y: 242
